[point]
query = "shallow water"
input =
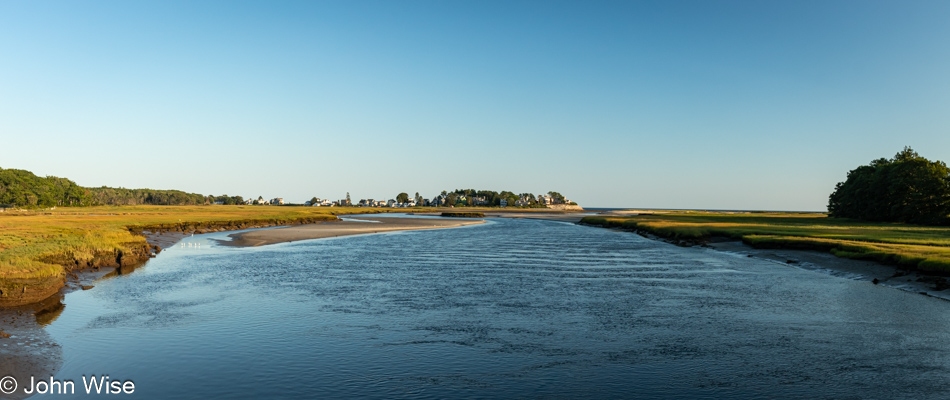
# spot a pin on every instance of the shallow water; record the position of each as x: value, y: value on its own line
x: 512, y: 308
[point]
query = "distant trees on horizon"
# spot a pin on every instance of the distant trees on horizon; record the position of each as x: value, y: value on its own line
x: 21, y: 188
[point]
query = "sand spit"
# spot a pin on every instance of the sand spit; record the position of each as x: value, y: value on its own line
x: 563, y: 217
x: 573, y: 217
x: 345, y: 227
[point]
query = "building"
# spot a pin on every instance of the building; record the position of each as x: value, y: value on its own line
x: 319, y: 203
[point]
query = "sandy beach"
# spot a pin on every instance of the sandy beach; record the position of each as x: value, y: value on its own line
x: 347, y: 226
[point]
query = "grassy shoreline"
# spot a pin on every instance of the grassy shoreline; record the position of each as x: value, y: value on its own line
x: 924, y: 248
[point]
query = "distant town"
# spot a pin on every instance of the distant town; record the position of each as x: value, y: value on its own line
x: 457, y: 198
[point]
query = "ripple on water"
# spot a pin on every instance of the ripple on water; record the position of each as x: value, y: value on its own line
x: 516, y: 308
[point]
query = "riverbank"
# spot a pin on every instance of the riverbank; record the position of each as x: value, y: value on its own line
x: 41, y: 250
x: 347, y: 227
x: 885, y: 254
x: 26, y: 350
x: 911, y: 247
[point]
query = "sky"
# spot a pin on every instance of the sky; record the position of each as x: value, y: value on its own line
x: 754, y: 105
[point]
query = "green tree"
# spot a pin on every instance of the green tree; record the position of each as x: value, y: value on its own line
x: 907, y: 188
x: 402, y: 198
x: 451, y: 199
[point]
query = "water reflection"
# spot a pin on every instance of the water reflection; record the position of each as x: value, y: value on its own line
x: 48, y: 310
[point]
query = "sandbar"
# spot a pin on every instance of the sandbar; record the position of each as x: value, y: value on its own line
x: 345, y: 227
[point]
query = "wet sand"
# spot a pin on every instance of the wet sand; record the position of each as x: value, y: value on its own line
x: 26, y: 349
x: 563, y: 217
x: 347, y: 226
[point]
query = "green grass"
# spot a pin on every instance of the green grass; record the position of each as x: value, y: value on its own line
x: 923, y: 247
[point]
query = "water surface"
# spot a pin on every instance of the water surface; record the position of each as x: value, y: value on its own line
x: 511, y: 308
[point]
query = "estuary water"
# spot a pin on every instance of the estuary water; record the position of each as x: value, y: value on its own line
x: 508, y: 309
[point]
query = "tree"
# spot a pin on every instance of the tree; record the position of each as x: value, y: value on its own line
x: 907, y: 188
x: 348, y: 202
x: 451, y: 199
x: 402, y: 198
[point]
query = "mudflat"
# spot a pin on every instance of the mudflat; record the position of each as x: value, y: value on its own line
x: 345, y: 227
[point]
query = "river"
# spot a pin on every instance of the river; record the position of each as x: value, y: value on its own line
x: 513, y: 308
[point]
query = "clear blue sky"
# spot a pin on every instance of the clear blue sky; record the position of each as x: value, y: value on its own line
x: 681, y: 104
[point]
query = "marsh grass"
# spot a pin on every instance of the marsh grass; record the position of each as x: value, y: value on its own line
x: 910, y: 246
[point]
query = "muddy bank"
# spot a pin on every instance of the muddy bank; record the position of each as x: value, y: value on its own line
x: 26, y: 350
x: 18, y: 292
x: 348, y: 226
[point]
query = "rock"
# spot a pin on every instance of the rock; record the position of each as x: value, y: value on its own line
x: 4, y: 335
x: 87, y: 287
x: 791, y: 262
x: 875, y: 281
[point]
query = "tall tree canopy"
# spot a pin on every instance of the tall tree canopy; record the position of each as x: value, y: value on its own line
x: 907, y: 188
x: 24, y: 189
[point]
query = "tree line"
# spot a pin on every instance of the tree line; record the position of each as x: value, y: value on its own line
x: 21, y: 188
